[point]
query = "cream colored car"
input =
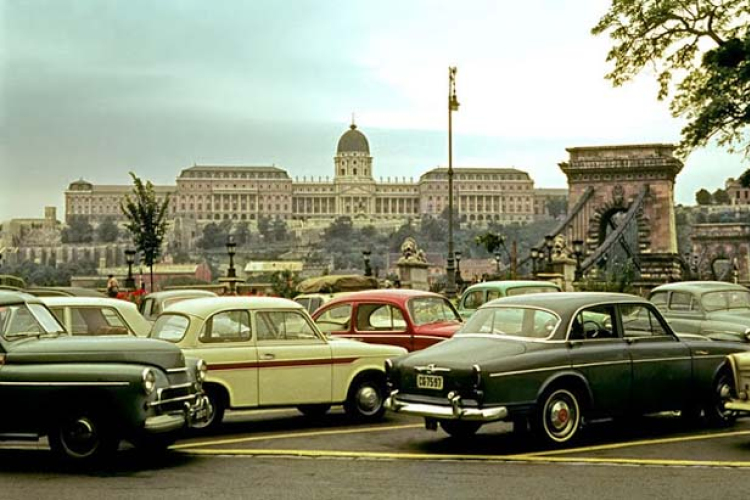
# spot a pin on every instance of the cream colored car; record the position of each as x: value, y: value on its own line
x: 740, y: 393
x: 267, y: 352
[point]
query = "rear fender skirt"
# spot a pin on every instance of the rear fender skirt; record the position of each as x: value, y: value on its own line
x: 567, y: 374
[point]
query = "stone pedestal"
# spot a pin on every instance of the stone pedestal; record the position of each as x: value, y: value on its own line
x: 413, y: 275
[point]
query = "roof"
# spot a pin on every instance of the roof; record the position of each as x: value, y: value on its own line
x: 474, y: 170
x: 7, y: 297
x: 384, y: 294
x: 353, y: 141
x: 203, y: 307
x: 506, y: 284
x: 337, y: 283
x: 67, y: 291
x: 86, y: 301
x: 168, y: 294
x: 699, y: 287
x: 566, y: 300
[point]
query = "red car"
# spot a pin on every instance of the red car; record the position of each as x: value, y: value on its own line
x: 408, y: 318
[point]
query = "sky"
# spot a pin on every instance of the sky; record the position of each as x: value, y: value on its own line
x: 94, y: 89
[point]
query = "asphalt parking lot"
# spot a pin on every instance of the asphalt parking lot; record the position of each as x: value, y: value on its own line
x: 663, y: 439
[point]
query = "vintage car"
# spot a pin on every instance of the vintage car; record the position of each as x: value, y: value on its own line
x: 715, y: 309
x: 555, y: 361
x: 88, y: 394
x: 266, y: 352
x: 98, y: 316
x: 740, y: 391
x: 408, y: 318
x: 479, y: 293
x: 312, y: 301
x: 153, y: 304
x: 63, y: 291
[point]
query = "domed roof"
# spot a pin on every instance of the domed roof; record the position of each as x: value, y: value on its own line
x: 353, y: 141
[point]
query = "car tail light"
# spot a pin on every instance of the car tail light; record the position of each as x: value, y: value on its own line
x: 476, y: 376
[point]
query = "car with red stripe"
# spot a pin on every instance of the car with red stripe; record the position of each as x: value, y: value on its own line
x: 266, y: 352
x: 412, y: 319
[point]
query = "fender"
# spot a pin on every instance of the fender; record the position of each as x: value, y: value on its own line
x: 567, y: 374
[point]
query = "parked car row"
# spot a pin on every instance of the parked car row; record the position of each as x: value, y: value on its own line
x: 548, y: 362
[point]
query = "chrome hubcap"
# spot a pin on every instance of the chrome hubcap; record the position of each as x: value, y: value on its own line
x: 368, y: 399
x: 80, y: 436
x: 560, y: 415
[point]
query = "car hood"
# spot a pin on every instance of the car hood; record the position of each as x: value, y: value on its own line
x: 341, y: 346
x: 462, y: 350
x: 69, y: 349
x: 441, y: 329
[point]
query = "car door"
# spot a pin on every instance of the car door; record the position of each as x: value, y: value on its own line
x: 598, y: 351
x: 662, y: 364
x: 295, y: 363
x: 226, y: 343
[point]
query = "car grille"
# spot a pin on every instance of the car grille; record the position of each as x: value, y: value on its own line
x: 181, y: 389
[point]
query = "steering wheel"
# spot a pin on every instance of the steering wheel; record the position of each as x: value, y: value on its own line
x: 588, y: 331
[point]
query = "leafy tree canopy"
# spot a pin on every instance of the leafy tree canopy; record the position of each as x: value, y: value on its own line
x: 79, y: 230
x: 107, y: 232
x: 700, y: 51
x: 703, y: 197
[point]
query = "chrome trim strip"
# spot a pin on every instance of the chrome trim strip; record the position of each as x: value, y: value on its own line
x: 177, y: 370
x: 173, y: 400
x: 178, y: 386
x: 67, y: 384
x: 661, y: 360
x: 533, y: 370
x: 603, y: 363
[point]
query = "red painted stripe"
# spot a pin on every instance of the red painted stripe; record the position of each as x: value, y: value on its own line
x: 280, y: 363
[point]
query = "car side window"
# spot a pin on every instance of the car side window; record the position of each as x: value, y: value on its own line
x: 283, y: 325
x: 93, y: 321
x: 659, y: 299
x: 379, y: 317
x: 335, y: 319
x: 226, y: 326
x: 639, y: 321
x: 681, y: 302
x: 594, y: 323
x: 473, y: 299
x: 492, y: 295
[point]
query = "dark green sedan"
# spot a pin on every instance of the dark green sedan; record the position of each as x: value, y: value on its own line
x: 554, y: 361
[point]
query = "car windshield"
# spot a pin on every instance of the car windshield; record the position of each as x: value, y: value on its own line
x: 170, y: 327
x: 730, y: 299
x: 27, y: 320
x: 513, y: 322
x: 426, y: 310
x: 523, y: 290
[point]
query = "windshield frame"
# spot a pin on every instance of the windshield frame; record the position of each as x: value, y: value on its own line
x: 48, y: 326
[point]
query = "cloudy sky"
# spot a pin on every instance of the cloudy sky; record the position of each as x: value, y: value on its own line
x: 95, y: 88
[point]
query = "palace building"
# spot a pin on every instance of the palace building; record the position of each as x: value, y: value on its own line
x: 207, y: 193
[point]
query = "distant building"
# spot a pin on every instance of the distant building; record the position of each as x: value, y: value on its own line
x: 738, y: 195
x: 206, y: 193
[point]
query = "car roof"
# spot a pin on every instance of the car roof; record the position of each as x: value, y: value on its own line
x: 57, y: 291
x: 85, y: 301
x: 206, y: 306
x: 397, y: 294
x: 565, y: 300
x: 507, y: 284
x: 9, y: 297
x: 698, y: 287
x: 166, y: 294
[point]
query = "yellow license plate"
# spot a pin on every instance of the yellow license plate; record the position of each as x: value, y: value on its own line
x: 429, y: 382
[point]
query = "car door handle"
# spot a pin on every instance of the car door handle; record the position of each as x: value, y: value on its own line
x: 269, y: 356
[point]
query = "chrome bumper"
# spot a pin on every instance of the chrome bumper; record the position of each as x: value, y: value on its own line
x: 737, y: 405
x: 453, y: 412
x: 174, y: 421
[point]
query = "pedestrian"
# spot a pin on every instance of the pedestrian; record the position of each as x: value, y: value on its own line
x: 113, y: 286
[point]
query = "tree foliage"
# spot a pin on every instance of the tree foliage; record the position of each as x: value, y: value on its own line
x: 107, y: 231
x: 146, y: 220
x: 79, y: 230
x: 700, y: 51
x: 703, y: 197
x: 720, y: 197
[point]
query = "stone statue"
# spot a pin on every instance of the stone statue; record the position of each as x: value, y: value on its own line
x: 560, y: 249
x: 411, y: 253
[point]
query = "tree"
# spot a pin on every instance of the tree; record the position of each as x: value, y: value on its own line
x: 213, y: 237
x: 720, y: 197
x: 279, y: 230
x: 703, y: 197
x: 700, y: 50
x: 242, y: 234
x: 107, y: 232
x: 79, y: 230
x: 557, y: 206
x: 146, y: 221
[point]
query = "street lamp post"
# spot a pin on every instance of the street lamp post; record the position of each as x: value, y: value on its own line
x: 497, y: 263
x: 534, y: 257
x: 459, y: 281
x: 231, y: 273
x: 366, y: 257
x: 130, y: 259
x: 578, y: 254
x: 450, y: 290
x: 548, y: 244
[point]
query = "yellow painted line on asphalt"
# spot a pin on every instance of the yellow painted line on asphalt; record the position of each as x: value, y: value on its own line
x: 288, y: 435
x: 643, y: 442
x: 486, y: 458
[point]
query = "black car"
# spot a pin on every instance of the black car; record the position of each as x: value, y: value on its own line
x: 88, y: 393
x: 556, y: 360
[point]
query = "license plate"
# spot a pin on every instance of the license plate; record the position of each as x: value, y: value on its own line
x: 429, y: 382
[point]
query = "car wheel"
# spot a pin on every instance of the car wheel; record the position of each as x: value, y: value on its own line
x: 314, y: 411
x: 716, y: 413
x: 558, y: 418
x: 365, y: 400
x: 216, y: 404
x: 460, y: 428
x: 82, y: 437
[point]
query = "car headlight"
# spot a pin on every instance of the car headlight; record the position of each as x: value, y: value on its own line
x: 747, y: 335
x: 149, y: 380
x: 201, y: 371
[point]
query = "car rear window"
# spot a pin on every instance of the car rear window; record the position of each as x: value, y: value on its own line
x: 170, y: 327
x: 512, y: 322
x: 425, y: 310
x: 523, y: 290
